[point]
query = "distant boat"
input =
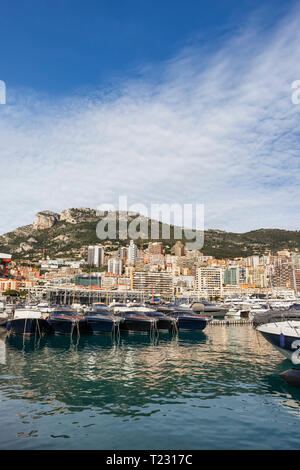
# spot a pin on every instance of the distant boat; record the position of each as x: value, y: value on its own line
x: 65, y: 321
x: 3, y: 318
x: 99, y: 307
x: 233, y: 313
x: 28, y: 322
x: 275, y: 316
x: 214, y: 310
x: 284, y: 336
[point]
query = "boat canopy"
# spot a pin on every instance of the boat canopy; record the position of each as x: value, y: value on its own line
x: 27, y: 313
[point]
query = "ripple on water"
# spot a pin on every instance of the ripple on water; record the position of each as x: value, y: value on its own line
x: 218, y: 389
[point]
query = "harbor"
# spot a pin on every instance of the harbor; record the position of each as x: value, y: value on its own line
x: 217, y: 389
x: 144, y: 375
x: 149, y: 237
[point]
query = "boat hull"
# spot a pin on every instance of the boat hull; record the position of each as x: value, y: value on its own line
x: 191, y: 324
x: 165, y: 324
x: 281, y: 343
x: 67, y: 327
x: 100, y: 325
x: 28, y: 326
x: 131, y: 324
x: 285, y: 337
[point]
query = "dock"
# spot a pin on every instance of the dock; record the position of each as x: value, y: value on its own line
x: 229, y: 322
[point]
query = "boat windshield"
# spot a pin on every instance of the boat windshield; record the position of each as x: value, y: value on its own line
x: 99, y: 312
x: 68, y: 313
x: 295, y: 307
x: 99, y: 308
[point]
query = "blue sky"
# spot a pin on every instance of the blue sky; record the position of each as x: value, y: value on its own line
x: 63, y: 45
x: 163, y: 101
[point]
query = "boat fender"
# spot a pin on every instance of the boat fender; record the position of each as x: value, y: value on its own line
x: 295, y: 358
x: 281, y: 340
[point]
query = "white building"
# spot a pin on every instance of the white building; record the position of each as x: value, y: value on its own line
x: 132, y: 253
x: 115, y: 266
x: 96, y: 255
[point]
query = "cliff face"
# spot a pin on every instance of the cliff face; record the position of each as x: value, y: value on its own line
x: 68, y: 235
x: 45, y: 219
x: 75, y: 216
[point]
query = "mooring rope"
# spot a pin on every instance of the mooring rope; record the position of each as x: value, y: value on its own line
x: 116, y: 330
x: 38, y: 324
x: 25, y: 324
x: 153, y: 330
x: 175, y: 326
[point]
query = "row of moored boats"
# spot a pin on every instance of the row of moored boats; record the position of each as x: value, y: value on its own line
x: 101, y: 319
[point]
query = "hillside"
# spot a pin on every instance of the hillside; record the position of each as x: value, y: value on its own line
x: 68, y: 234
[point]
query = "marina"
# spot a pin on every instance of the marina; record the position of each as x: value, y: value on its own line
x: 140, y: 369
x: 217, y: 389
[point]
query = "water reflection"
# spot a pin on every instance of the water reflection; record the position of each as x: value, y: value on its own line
x: 136, y: 375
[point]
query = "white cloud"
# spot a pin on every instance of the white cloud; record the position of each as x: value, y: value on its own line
x: 215, y: 128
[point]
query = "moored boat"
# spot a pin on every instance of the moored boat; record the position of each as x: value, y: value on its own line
x: 28, y: 322
x: 284, y: 336
x: 190, y: 321
x: 164, y: 322
x: 213, y: 310
x: 101, y: 320
x: 66, y: 322
x: 137, y: 321
x: 3, y: 319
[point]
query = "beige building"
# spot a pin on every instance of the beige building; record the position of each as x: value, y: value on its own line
x: 153, y: 282
x: 209, y: 281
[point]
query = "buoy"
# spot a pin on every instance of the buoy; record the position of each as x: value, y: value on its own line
x: 292, y: 377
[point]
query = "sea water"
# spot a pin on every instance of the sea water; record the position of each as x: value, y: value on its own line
x: 217, y: 389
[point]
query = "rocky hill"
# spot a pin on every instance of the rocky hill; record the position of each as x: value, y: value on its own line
x: 68, y: 235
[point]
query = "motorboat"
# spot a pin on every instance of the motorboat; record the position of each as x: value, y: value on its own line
x: 233, y: 313
x: 101, y: 320
x: 28, y: 322
x: 164, y: 322
x: 129, y: 307
x: 216, y: 311
x: 284, y: 336
x: 3, y: 318
x: 170, y: 308
x: 66, y: 321
x: 275, y: 316
x: 137, y: 321
x: 9, y: 308
x: 100, y: 307
x: 44, y: 307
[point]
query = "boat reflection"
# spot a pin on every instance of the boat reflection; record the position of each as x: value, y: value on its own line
x: 136, y: 375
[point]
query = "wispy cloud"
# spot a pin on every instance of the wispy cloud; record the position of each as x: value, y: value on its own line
x: 217, y: 128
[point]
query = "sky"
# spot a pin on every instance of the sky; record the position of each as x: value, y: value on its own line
x: 176, y: 102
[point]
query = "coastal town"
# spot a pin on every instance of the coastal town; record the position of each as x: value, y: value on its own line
x: 151, y: 272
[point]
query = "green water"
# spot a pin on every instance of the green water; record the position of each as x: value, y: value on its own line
x: 215, y: 390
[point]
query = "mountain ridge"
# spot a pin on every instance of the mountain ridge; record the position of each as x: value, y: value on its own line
x: 69, y: 233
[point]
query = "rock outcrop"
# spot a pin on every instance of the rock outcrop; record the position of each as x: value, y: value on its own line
x: 75, y: 216
x: 45, y: 219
